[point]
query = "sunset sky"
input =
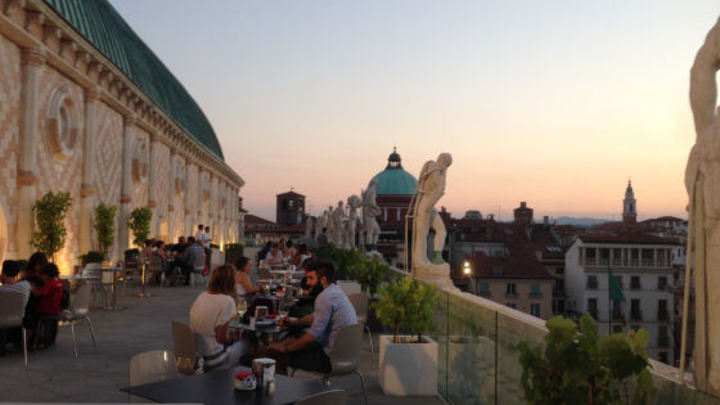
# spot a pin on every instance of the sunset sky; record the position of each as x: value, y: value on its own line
x: 556, y: 103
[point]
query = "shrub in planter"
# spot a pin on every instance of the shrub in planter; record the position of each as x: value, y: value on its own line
x: 91, y: 257
x: 105, y: 227
x: 408, y: 363
x: 370, y: 273
x: 50, y: 212
x: 577, y: 366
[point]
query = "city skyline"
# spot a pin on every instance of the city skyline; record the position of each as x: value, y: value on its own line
x: 557, y: 105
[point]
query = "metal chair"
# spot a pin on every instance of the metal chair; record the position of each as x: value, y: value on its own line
x: 184, y: 345
x: 156, y: 269
x: 345, y: 354
x: 336, y: 397
x: 198, y: 269
x: 93, y: 276
x: 151, y: 366
x: 359, y: 301
x: 12, y: 310
x: 79, y: 309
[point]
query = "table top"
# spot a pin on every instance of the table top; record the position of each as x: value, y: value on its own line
x: 265, y: 328
x: 218, y: 387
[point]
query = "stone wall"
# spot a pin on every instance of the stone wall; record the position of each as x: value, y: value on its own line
x: 9, y: 132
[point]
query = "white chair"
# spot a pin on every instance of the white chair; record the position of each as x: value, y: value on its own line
x: 93, y: 276
x: 151, y: 366
x: 335, y: 397
x: 198, y: 269
x: 79, y: 310
x: 12, y: 310
x: 345, y: 355
x: 359, y: 301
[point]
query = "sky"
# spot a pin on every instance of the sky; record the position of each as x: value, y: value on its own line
x: 557, y: 103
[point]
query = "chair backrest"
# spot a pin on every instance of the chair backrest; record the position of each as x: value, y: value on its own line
x: 12, y: 309
x: 359, y: 301
x: 337, y: 397
x: 93, y: 270
x: 346, y: 350
x: 152, y: 366
x: 199, y: 263
x: 80, y: 302
x: 184, y: 345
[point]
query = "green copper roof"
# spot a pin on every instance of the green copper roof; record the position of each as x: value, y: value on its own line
x: 100, y: 24
x: 395, y: 181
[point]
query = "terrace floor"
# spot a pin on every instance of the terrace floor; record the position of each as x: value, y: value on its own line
x: 55, y: 376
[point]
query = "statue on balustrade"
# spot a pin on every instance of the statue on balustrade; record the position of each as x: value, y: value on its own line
x: 309, y: 227
x: 430, y: 188
x: 338, y: 224
x: 371, y: 210
x: 702, y: 179
x: 353, y: 203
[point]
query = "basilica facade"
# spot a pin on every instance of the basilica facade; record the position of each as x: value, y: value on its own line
x: 87, y: 108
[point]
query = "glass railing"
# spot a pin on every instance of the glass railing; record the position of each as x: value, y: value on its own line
x: 478, y: 355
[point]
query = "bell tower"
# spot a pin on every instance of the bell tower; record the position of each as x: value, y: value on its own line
x: 629, y: 206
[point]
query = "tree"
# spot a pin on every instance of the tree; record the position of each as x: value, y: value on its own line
x: 139, y: 223
x: 50, y: 212
x: 407, y: 304
x: 105, y: 227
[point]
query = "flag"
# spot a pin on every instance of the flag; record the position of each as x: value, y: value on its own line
x: 616, y: 293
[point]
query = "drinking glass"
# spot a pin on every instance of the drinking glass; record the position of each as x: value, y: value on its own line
x: 241, y: 308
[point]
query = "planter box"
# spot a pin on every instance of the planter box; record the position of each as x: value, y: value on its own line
x: 408, y: 369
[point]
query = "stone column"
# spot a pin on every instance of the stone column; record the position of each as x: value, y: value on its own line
x: 152, y: 186
x: 188, y: 218
x: 87, y: 188
x: 171, y: 197
x: 125, y: 188
x: 32, y: 61
x: 200, y: 195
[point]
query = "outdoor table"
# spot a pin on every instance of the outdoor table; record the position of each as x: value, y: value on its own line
x: 218, y: 387
x: 285, y: 272
x: 114, y: 305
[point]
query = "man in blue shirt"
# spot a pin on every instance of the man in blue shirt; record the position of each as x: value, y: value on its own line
x: 333, y: 311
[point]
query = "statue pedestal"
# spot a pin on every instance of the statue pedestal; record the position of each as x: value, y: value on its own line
x: 437, y: 274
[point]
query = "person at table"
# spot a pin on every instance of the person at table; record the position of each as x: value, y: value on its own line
x: 11, y: 284
x: 178, y: 252
x: 210, y: 317
x: 262, y: 254
x: 49, y: 303
x: 274, y: 256
x: 243, y: 285
x: 302, y: 254
x: 159, y: 255
x: 290, y: 252
x: 37, y: 261
x: 333, y: 311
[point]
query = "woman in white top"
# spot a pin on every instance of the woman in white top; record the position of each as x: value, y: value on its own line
x: 243, y: 285
x: 210, y: 317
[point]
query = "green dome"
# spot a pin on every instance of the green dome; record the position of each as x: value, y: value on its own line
x: 100, y: 24
x: 394, y: 180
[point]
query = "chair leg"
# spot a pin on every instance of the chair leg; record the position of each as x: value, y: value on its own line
x: 92, y: 332
x: 362, y: 381
x: 372, y: 348
x: 24, y: 338
x: 72, y: 330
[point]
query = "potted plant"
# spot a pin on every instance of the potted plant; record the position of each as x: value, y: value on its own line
x: 50, y: 212
x: 105, y: 228
x: 408, y: 363
x: 576, y: 366
x: 91, y: 257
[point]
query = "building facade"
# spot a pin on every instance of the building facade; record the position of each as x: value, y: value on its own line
x: 87, y: 108
x: 289, y: 208
x: 643, y: 266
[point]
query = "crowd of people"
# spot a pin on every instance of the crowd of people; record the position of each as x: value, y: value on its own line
x: 178, y: 262
x: 311, y: 327
x: 282, y: 252
x: 44, y: 297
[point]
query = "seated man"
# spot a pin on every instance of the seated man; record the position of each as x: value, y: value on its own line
x: 10, y: 283
x: 333, y: 311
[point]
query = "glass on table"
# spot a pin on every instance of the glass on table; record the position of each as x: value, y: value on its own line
x: 241, y: 307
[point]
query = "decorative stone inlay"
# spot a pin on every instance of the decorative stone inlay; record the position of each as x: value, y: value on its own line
x: 62, y: 124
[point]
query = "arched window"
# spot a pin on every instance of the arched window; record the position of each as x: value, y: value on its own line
x: 62, y: 126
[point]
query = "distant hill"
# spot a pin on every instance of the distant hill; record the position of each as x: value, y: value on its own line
x: 583, y: 222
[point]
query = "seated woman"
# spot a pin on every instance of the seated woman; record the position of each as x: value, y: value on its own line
x: 243, y: 285
x: 210, y: 317
x: 274, y: 256
x: 50, y: 296
x: 302, y: 254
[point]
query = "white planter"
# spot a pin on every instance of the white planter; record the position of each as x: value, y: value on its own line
x: 349, y: 287
x: 408, y: 368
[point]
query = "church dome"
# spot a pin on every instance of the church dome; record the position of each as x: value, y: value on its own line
x: 394, y: 180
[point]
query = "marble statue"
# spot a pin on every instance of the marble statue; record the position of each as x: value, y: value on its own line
x: 371, y: 210
x: 702, y: 179
x: 353, y: 203
x: 320, y: 224
x: 430, y: 187
x: 309, y: 227
x: 330, y: 233
x: 337, y: 220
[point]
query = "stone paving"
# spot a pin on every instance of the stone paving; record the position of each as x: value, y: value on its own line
x: 54, y: 375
